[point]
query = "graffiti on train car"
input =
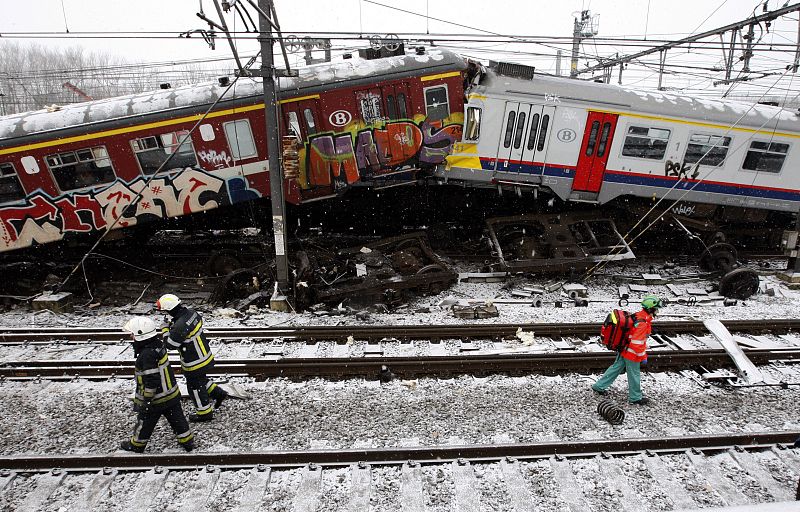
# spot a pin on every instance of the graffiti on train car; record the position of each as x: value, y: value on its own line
x: 44, y: 219
x: 340, y: 159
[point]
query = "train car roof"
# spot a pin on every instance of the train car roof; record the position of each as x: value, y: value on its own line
x: 315, y: 78
x: 655, y: 103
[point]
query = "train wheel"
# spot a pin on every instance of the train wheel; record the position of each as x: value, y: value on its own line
x: 223, y: 262
x: 719, y: 257
x: 741, y: 284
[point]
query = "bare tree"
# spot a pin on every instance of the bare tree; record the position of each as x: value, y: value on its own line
x: 34, y: 77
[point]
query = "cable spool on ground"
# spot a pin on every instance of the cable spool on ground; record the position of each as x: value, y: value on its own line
x: 611, y: 412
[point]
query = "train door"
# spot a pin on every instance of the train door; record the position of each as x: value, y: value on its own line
x: 505, y: 148
x: 537, y: 135
x: 396, y: 108
x: 593, y: 158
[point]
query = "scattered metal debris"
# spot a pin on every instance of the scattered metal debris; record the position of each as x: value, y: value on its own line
x: 386, y: 271
x: 554, y: 243
x: 477, y: 311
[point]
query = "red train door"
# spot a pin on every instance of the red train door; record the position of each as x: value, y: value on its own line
x: 594, y: 151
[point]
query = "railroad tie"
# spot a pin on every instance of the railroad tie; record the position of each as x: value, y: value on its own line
x: 618, y: 483
x: 195, y: 495
x: 361, y: 479
x: 466, y: 496
x: 521, y: 498
x: 751, y: 464
x: 6, y: 479
x: 712, y: 473
x: 95, y: 491
x: 149, y: 485
x: 569, y: 490
x: 674, y: 490
x: 411, y: 497
x: 308, y: 494
x: 45, y: 486
x: 253, y: 496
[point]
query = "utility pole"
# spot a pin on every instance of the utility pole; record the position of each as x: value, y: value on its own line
x: 582, y: 29
x: 273, y: 150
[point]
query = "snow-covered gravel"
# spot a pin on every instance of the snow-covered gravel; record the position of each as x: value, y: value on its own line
x: 85, y: 416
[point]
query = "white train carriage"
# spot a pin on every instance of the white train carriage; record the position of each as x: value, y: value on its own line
x: 592, y: 142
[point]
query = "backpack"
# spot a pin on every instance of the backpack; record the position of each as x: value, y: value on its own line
x: 615, y: 329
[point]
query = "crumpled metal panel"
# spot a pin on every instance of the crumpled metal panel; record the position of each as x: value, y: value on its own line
x: 554, y: 243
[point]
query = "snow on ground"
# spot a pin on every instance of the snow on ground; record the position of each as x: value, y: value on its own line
x: 603, y: 296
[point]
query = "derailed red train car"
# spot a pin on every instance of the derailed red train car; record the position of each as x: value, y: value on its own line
x: 359, y: 122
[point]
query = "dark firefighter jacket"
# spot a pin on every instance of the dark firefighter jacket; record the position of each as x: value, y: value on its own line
x: 186, y: 335
x: 155, y: 382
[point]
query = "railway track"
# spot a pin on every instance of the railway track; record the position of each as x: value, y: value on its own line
x: 402, y: 367
x: 341, y: 334
x: 624, y: 474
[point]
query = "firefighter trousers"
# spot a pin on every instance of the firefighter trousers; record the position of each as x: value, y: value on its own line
x: 148, y: 417
x: 202, y: 391
x: 632, y: 369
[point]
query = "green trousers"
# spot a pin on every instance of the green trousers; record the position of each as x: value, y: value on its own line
x: 634, y: 378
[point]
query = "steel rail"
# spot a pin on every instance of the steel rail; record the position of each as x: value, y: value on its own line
x: 340, y: 333
x: 402, y: 367
x: 399, y: 455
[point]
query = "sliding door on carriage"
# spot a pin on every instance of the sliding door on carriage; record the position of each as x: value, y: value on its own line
x: 524, y: 137
x: 593, y: 158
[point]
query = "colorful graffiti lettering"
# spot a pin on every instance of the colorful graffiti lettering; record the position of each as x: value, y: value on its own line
x: 43, y: 219
x: 341, y: 159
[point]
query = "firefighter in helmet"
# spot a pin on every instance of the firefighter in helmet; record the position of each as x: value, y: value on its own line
x: 157, y: 390
x: 630, y: 359
x: 185, y: 334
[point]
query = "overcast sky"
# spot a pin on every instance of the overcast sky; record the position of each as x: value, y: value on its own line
x: 657, y: 19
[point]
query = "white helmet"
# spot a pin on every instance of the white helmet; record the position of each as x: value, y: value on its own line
x: 141, y: 327
x: 167, y: 302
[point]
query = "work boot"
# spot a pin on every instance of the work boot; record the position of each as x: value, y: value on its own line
x: 130, y: 447
x: 601, y: 392
x: 188, y: 445
x: 641, y: 401
x: 200, y: 418
x: 222, y: 396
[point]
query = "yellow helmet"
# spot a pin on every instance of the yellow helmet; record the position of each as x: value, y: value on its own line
x: 167, y: 302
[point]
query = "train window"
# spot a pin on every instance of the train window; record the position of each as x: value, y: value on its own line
x: 153, y: 151
x: 520, y: 129
x: 543, y: 132
x: 10, y: 187
x: 391, y: 110
x: 240, y: 139
x: 707, y: 149
x: 643, y: 142
x: 83, y: 168
x: 601, y: 148
x: 509, y: 129
x: 436, y: 104
x: 592, y: 142
x: 311, y: 125
x: 473, y: 124
x: 765, y: 156
x: 370, y: 107
x: 294, y: 124
x: 534, y: 131
x: 402, y: 109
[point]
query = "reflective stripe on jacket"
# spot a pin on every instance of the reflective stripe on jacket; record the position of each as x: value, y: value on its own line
x: 186, y: 335
x: 642, y: 327
x: 155, y: 381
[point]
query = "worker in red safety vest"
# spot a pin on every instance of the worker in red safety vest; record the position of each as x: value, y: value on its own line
x: 630, y: 359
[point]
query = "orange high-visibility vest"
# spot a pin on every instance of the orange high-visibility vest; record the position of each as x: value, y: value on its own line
x: 642, y: 327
